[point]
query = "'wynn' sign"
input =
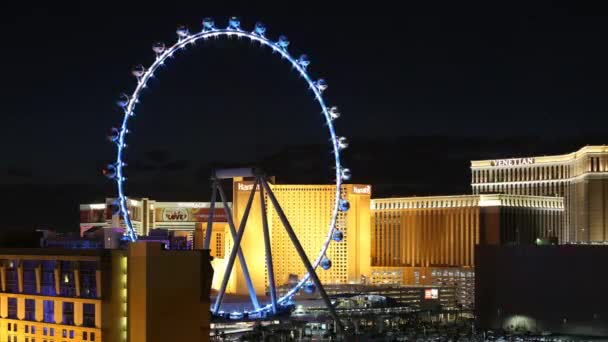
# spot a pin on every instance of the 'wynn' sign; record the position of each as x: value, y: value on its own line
x: 512, y: 162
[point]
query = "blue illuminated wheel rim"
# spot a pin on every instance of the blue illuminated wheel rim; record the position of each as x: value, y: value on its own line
x: 128, y: 103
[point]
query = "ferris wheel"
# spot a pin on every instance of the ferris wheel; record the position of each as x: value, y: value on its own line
x: 116, y: 170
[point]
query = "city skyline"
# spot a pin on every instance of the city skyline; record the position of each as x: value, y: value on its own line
x: 428, y: 172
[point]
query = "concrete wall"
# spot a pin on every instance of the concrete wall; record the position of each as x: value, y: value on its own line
x: 168, y: 294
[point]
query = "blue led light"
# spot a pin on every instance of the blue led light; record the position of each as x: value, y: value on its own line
x: 300, y: 64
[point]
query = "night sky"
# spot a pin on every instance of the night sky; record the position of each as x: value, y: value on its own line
x: 422, y: 91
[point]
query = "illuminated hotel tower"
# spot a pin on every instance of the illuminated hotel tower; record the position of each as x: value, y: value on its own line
x: 308, y: 208
x: 97, y: 295
x: 419, y: 234
x: 581, y: 178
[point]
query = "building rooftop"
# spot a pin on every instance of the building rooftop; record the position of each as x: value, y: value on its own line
x: 541, y: 159
x: 456, y: 201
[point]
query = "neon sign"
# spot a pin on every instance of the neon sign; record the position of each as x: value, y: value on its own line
x: 365, y: 190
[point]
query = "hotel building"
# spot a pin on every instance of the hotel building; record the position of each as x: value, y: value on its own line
x: 181, y: 218
x: 431, y: 240
x: 581, y: 178
x: 61, y: 295
x: 309, y: 209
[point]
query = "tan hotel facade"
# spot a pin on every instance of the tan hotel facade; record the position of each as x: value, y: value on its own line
x: 142, y: 293
x: 308, y: 208
x: 419, y: 235
x: 581, y: 178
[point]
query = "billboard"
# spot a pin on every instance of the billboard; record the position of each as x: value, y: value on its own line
x: 180, y: 214
x: 431, y: 293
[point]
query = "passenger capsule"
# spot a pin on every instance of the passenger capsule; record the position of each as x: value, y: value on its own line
x: 260, y: 29
x: 303, y: 61
x: 310, y: 288
x: 109, y: 171
x: 321, y: 84
x: 138, y: 71
x: 182, y: 32
x: 159, y: 48
x: 234, y: 24
x: 123, y: 101
x: 208, y: 24
x: 325, y: 263
x: 115, y: 208
x: 334, y: 112
x: 337, y: 235
x: 283, y: 42
x: 114, y: 134
x: 342, y: 142
x: 346, y: 174
x: 343, y: 205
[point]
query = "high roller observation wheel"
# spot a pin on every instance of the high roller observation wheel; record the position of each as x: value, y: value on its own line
x: 115, y: 171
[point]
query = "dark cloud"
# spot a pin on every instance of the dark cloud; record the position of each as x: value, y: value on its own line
x: 19, y: 173
x: 158, y: 156
x: 177, y: 165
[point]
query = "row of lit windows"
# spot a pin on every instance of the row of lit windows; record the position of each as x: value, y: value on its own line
x: 87, y: 277
x: 469, y: 201
x: 422, y: 240
x: 48, y: 309
x: 519, y: 174
x: 48, y: 331
x: 557, y: 188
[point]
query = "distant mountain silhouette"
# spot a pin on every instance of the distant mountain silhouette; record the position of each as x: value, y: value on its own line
x: 403, y: 166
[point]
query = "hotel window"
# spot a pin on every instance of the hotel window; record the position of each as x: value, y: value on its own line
x: 29, y: 276
x: 68, y: 313
x: 88, y: 278
x: 88, y: 311
x: 48, y: 278
x: 30, y: 310
x: 12, y: 308
x: 48, y: 307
